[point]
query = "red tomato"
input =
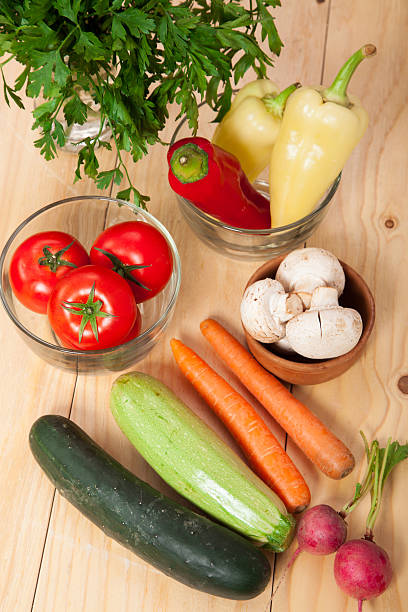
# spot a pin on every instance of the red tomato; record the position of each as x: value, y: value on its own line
x: 92, y: 308
x: 139, y: 253
x: 135, y: 331
x: 39, y: 262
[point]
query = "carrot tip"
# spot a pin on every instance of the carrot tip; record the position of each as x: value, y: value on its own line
x: 299, y: 509
x: 347, y: 471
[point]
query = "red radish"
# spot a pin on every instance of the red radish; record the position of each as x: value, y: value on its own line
x: 362, y: 569
x: 321, y: 530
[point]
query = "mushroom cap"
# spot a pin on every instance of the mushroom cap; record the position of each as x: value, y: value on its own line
x: 256, y: 316
x: 324, y: 333
x: 303, y: 270
x: 282, y: 347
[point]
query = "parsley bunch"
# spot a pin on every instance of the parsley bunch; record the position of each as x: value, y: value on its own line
x: 133, y: 57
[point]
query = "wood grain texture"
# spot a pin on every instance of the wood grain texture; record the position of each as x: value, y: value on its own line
x: 210, y: 287
x: 29, y: 386
x: 81, y: 569
x: 367, y: 227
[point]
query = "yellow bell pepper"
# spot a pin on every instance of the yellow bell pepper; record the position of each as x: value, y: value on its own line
x: 319, y: 130
x: 250, y: 127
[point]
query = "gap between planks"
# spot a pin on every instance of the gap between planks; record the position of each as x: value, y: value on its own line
x: 69, y: 416
x: 291, y: 386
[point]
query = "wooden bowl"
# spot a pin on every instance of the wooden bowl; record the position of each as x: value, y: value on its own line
x: 300, y: 370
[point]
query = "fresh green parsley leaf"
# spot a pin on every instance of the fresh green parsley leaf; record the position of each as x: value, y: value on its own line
x: 105, y: 178
x: 61, y: 71
x: 91, y: 47
x: 136, y: 21
x: 45, y: 108
x: 68, y: 9
x: 134, y: 58
x: 75, y: 111
x: 58, y: 133
x: 118, y: 31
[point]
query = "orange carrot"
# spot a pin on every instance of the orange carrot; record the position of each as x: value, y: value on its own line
x: 265, y: 455
x: 322, y: 447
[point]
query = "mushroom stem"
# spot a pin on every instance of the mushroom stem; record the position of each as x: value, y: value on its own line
x: 324, y: 297
x: 284, y: 306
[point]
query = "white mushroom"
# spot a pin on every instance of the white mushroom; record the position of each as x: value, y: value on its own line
x: 326, y: 330
x: 265, y: 308
x: 282, y: 347
x: 324, y: 297
x: 303, y: 270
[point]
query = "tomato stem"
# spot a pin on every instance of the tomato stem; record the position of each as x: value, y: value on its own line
x: 54, y: 260
x: 123, y: 269
x: 88, y: 310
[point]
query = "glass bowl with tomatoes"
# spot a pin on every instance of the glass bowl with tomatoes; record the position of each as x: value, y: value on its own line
x: 90, y: 283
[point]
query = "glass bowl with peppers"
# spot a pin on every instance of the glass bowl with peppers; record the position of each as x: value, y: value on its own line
x: 90, y: 283
x: 222, y: 207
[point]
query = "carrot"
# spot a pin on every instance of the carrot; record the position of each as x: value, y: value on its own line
x: 319, y: 444
x: 265, y: 455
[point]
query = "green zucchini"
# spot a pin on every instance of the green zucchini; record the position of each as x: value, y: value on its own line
x: 192, y: 459
x: 188, y: 547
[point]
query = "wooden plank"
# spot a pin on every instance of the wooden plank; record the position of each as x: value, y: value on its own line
x: 29, y: 386
x: 107, y: 577
x: 366, y: 227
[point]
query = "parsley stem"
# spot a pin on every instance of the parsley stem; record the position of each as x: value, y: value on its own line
x: 101, y: 124
x: 67, y: 38
x: 60, y: 103
x: 7, y: 61
x: 121, y: 164
x: 255, y: 23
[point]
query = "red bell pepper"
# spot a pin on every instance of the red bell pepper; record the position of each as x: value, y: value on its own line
x: 213, y: 180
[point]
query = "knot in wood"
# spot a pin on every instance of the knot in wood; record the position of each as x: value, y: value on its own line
x: 403, y: 384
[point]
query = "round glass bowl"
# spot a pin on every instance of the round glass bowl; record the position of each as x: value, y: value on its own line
x: 239, y: 243
x: 256, y: 244
x: 85, y: 217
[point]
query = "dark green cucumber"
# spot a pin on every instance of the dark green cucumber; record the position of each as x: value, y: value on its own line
x: 183, y: 545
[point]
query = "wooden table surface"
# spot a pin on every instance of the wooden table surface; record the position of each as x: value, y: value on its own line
x: 52, y: 559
